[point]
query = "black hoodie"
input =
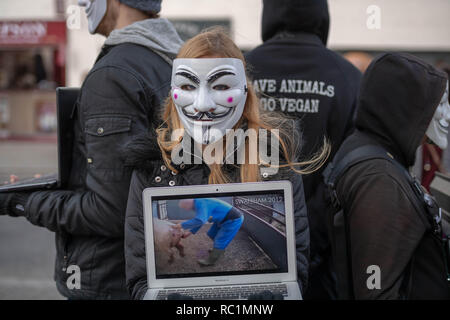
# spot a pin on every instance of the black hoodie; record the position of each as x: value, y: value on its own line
x: 399, y: 91
x: 399, y: 95
x: 295, y: 73
x: 295, y: 15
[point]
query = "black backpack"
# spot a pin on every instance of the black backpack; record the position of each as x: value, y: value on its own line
x: 338, y: 225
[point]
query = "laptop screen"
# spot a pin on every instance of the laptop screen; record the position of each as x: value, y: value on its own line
x: 219, y: 234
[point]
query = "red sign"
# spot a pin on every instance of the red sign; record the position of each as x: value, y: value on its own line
x: 32, y: 32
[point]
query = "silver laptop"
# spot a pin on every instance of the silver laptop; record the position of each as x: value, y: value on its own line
x: 249, y: 225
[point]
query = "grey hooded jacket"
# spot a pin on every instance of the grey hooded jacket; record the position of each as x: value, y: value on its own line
x: 119, y: 99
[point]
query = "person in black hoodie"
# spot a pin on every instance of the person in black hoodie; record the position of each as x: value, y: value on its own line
x: 296, y: 74
x: 387, y: 227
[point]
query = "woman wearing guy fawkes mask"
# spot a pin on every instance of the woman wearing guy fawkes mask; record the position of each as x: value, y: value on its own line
x: 210, y: 94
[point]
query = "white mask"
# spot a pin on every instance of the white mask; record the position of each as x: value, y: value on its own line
x: 209, y: 94
x: 95, y: 11
x: 438, y: 129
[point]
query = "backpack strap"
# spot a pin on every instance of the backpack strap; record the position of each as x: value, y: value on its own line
x: 360, y: 154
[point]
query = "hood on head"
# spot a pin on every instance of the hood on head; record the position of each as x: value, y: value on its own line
x: 398, y: 96
x: 310, y: 16
x: 159, y: 35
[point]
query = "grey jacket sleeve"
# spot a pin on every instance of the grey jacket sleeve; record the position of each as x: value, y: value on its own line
x: 301, y: 231
x: 113, y: 97
x: 135, y: 256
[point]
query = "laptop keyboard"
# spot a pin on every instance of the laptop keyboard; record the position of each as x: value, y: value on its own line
x: 224, y: 293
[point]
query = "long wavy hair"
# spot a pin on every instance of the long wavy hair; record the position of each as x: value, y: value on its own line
x: 216, y: 43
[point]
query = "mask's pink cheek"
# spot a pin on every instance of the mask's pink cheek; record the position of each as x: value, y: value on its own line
x: 175, y: 93
x: 230, y: 100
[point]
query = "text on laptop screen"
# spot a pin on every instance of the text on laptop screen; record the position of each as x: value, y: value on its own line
x: 245, y: 230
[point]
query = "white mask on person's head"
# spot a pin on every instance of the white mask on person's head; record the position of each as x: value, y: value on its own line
x: 209, y: 94
x: 438, y: 129
x: 95, y: 11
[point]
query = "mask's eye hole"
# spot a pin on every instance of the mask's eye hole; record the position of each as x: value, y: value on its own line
x: 187, y: 87
x: 221, y: 87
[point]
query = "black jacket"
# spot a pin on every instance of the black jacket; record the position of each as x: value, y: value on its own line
x: 153, y: 173
x: 118, y: 100
x: 313, y: 84
x: 399, y: 95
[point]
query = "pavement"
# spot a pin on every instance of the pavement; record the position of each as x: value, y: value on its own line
x: 27, y: 255
x: 27, y: 252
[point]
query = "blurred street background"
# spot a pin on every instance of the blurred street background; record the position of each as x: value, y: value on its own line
x: 26, y: 261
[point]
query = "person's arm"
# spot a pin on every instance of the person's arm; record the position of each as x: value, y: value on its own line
x: 201, y: 216
x: 301, y: 231
x: 99, y: 208
x: 385, y: 230
x: 135, y: 255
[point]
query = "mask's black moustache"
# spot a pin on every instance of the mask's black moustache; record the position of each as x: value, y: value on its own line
x: 199, y: 115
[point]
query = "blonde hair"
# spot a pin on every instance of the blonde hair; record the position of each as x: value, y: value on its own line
x: 215, y: 42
